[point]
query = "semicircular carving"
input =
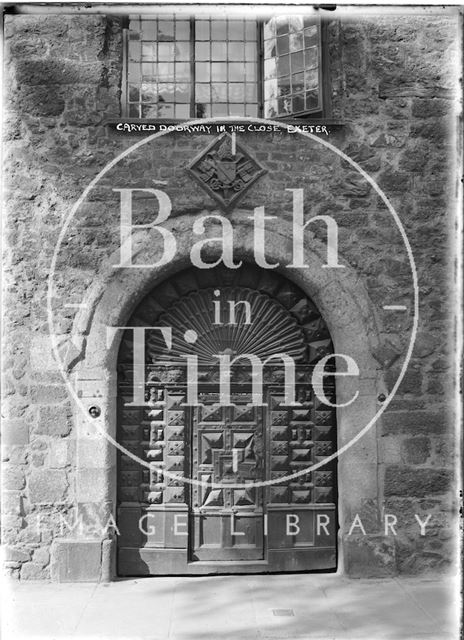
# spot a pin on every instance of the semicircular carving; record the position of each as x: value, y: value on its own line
x: 262, y: 327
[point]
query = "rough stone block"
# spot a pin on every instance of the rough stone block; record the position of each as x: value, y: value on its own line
x: 410, y: 481
x: 47, y: 485
x: 76, y: 560
x: 15, y: 432
x: 48, y: 394
x: 33, y: 571
x: 414, y: 423
x: 416, y: 450
x: 14, y: 554
x: 369, y: 556
x: 13, y: 478
x: 54, y: 421
x: 41, y: 556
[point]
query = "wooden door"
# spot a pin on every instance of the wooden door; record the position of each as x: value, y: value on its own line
x: 261, y: 506
x: 228, y: 450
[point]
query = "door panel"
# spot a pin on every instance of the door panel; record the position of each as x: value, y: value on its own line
x: 227, y: 449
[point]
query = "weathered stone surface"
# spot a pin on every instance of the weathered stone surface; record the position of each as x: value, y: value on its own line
x: 54, y: 421
x: 48, y: 394
x: 369, y: 556
x: 76, y: 561
x: 47, y: 485
x: 33, y: 571
x: 15, y: 432
x: 41, y: 556
x: 410, y: 481
x: 16, y: 554
x: 416, y: 450
x: 415, y: 423
x: 63, y: 79
x: 13, y: 477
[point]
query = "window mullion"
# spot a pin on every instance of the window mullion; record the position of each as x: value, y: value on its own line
x: 260, y: 67
x: 192, y: 68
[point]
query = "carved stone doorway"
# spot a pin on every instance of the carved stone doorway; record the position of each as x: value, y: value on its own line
x: 237, y: 516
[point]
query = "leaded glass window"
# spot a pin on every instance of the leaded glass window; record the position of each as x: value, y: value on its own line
x: 291, y: 66
x: 180, y: 68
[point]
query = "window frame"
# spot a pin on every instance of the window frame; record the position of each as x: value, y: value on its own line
x: 324, y: 81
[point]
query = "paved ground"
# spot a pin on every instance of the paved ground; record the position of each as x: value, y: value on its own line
x: 322, y: 607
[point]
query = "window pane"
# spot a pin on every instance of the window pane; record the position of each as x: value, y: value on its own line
x: 150, y: 111
x: 296, y: 41
x: 251, y: 51
x: 310, y: 36
x: 236, y: 109
x: 236, y: 30
x: 148, y: 51
x: 202, y: 92
x: 298, y: 103
x: 297, y: 62
x: 134, y: 50
x: 182, y: 111
x: 218, y: 51
x: 269, y: 29
x: 149, y: 30
x: 236, y: 51
x: 182, y: 93
x: 236, y: 92
x: 311, y: 58
x: 282, y: 45
x: 270, y: 89
x: 270, y: 109
x: 219, y: 71
x: 269, y: 48
x: 202, y: 30
x: 218, y: 30
x: 295, y: 23
x: 219, y: 92
x: 165, y: 51
x: 250, y: 30
x: 166, y: 71
x: 251, y: 110
x: 283, y: 66
x: 166, y: 111
x: 219, y: 109
x: 183, y: 51
x: 165, y: 30
x: 311, y: 79
x: 250, y: 71
x: 202, y: 51
x: 166, y: 92
x: 270, y: 70
x: 202, y: 71
x: 134, y: 93
x: 182, y: 72
x: 281, y: 26
x: 312, y: 100
x: 182, y: 30
x: 149, y: 92
x: 298, y: 82
x: 134, y: 111
x: 251, y: 92
x: 236, y: 72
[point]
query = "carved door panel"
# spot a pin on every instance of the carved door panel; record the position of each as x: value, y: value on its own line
x: 301, y: 516
x: 226, y: 521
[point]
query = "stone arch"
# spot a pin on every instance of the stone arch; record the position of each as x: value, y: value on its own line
x: 338, y: 294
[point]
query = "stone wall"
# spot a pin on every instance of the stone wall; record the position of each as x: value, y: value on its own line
x: 394, y: 81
